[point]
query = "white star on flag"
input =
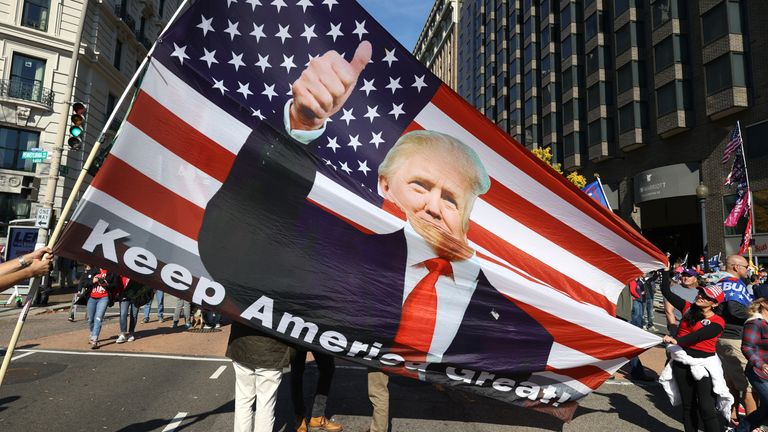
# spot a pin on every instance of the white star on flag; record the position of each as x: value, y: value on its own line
x: 180, y: 52
x: 257, y: 113
x: 263, y: 62
x: 363, y: 167
x: 360, y: 29
x: 269, y: 91
x: 244, y: 89
x: 367, y: 86
x: 258, y: 32
x: 335, y: 31
x: 283, y: 33
x: 345, y: 168
x: 309, y: 32
x: 237, y: 61
x: 304, y: 5
x: 253, y: 3
x: 205, y: 24
x: 278, y: 4
x: 389, y: 57
x: 419, y: 83
x: 372, y: 113
x: 397, y: 110
x: 288, y: 63
x: 332, y: 144
x: 376, y: 139
x: 330, y: 4
x: 394, y: 84
x: 347, y: 117
x: 354, y: 142
x: 209, y: 57
x: 219, y: 85
x: 311, y: 57
x: 232, y: 30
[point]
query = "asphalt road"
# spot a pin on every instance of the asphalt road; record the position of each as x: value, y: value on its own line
x: 108, y: 390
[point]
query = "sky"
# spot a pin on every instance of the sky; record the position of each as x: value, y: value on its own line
x: 404, y: 19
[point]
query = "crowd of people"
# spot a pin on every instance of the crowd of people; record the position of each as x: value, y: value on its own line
x: 717, y: 343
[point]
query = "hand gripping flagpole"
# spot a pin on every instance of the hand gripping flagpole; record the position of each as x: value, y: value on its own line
x: 35, y: 284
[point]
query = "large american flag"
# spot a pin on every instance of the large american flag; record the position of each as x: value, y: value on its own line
x: 226, y: 65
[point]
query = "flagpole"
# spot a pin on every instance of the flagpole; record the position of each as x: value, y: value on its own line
x: 602, y: 191
x: 35, y: 283
x: 749, y: 189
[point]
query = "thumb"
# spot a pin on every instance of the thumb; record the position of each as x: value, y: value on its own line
x: 362, y: 57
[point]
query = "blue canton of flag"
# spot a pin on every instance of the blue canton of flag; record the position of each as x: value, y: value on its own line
x: 251, y: 51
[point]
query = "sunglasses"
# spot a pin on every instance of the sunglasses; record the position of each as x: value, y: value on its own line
x: 705, y: 297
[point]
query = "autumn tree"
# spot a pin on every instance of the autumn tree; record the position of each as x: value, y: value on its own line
x: 545, y: 154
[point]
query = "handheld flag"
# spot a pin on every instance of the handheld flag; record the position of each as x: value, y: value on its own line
x: 596, y: 192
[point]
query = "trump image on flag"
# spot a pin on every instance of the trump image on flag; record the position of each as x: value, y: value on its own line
x: 294, y: 167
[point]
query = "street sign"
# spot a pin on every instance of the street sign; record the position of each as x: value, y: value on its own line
x: 43, y: 219
x: 34, y: 155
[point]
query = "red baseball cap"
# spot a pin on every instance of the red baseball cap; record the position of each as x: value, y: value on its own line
x: 713, y: 292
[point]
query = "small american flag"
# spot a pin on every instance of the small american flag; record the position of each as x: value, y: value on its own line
x: 227, y: 65
x: 734, y: 144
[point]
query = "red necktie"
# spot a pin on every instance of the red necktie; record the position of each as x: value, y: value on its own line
x: 417, y: 323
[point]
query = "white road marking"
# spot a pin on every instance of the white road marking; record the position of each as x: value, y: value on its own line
x: 176, y: 422
x: 218, y: 372
x: 21, y: 355
x: 121, y: 354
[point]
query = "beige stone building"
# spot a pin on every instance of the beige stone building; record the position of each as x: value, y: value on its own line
x: 437, y: 46
x: 37, y: 39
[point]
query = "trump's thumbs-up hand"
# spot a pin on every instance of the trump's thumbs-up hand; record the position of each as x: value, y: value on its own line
x: 325, y: 85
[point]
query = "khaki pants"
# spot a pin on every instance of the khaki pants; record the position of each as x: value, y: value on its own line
x: 734, y: 363
x: 378, y: 393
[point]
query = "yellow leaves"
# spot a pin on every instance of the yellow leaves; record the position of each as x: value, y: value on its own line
x: 545, y: 154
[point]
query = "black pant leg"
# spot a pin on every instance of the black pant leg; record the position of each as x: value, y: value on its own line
x: 325, y: 367
x: 707, y: 405
x: 686, y: 386
x: 297, y: 382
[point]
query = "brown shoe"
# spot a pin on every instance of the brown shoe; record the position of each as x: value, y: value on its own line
x: 323, y: 423
x: 301, y: 424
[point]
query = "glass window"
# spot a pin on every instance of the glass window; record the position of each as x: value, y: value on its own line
x: 12, y: 143
x: 567, y: 48
x: 625, y: 78
x: 546, y: 94
x: 620, y: 6
x: 527, y: 81
x: 544, y: 9
x: 528, y: 107
x: 528, y: 27
x: 27, y: 74
x: 34, y: 14
x: 545, y: 39
x: 565, y: 16
x: 627, y: 118
x: 12, y: 206
x: 662, y: 12
x: 528, y: 53
x: 590, y: 27
x: 666, y: 99
x: 593, y: 61
x: 593, y: 97
x: 734, y: 17
x: 568, y: 112
x: 756, y: 144
x: 760, y: 201
x: 546, y: 65
x: 569, y: 145
x: 118, y: 54
x: 725, y: 71
x: 623, y: 39
x: 714, y: 23
x: 595, y: 132
x: 546, y: 125
x: 664, y: 54
x: 567, y: 79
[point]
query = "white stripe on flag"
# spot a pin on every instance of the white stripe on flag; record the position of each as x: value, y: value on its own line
x: 579, y: 388
x: 194, y: 108
x: 431, y: 117
x: 545, y: 250
x: 164, y: 167
x: 558, y: 304
x: 152, y: 226
x: 562, y: 357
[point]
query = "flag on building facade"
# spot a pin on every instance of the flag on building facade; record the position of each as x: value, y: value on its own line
x: 206, y: 195
x: 596, y: 192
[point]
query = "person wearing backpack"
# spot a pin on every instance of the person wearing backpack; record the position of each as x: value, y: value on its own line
x: 129, y: 310
x: 101, y: 283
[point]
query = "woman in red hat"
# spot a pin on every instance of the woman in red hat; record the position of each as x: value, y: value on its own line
x: 694, y: 376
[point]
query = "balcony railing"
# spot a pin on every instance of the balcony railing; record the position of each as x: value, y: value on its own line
x: 26, y: 89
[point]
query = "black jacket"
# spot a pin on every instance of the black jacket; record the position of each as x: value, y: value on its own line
x: 254, y: 349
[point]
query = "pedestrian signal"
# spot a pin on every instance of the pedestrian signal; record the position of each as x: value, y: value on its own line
x: 77, y: 120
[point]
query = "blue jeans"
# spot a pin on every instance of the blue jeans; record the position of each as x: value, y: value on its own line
x: 160, y: 307
x: 649, y: 307
x: 127, y: 307
x: 759, y: 415
x: 97, y: 308
x: 638, y: 309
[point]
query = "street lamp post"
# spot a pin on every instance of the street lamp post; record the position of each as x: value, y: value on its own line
x: 701, y: 196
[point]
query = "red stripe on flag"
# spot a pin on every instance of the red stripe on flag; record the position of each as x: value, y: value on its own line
x: 523, y: 211
x: 579, y: 338
x: 591, y: 376
x: 126, y: 184
x: 527, y: 263
x: 186, y: 142
x: 486, y: 131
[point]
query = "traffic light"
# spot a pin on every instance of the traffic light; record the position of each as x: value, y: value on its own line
x: 77, y: 128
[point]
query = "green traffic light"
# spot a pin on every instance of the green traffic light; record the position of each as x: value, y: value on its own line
x: 75, y: 131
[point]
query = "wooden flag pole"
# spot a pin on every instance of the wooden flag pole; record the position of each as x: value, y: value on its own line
x: 35, y: 284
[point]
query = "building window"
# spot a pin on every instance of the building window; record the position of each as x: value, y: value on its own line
x: 623, y: 39
x: 632, y: 116
x: 593, y: 97
x: 545, y: 39
x: 620, y: 6
x: 35, y: 14
x: 590, y: 27
x: 568, y: 111
x: 528, y: 27
x: 546, y: 65
x: 565, y: 16
x: 527, y: 81
x: 724, y: 72
x: 720, y: 20
x: 567, y: 47
x: 662, y: 12
x: 664, y: 54
x: 544, y: 9
x: 12, y: 143
x: 625, y: 77
x: 593, y: 61
x: 672, y: 97
x: 546, y: 125
x: 27, y: 74
x: 118, y: 54
x: 569, y: 145
x: 528, y: 54
x: 568, y: 79
x: 756, y: 143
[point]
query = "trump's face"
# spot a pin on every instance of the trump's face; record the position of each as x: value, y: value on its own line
x: 432, y: 189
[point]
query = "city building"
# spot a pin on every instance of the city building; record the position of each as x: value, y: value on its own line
x: 437, y: 46
x: 642, y: 92
x: 37, y: 39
